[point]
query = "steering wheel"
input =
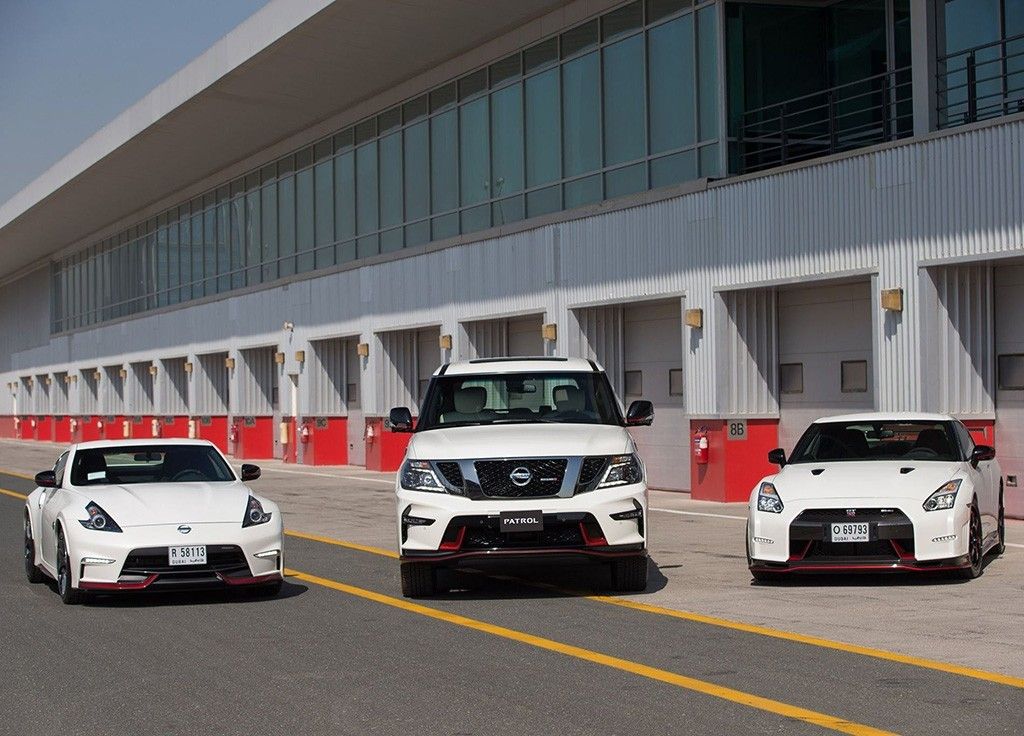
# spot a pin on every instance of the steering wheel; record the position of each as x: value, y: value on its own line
x: 928, y: 452
x: 182, y: 475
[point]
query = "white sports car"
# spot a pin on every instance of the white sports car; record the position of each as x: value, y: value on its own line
x: 150, y: 515
x: 878, y: 492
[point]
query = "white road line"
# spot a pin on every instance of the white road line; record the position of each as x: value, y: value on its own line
x: 698, y: 513
x: 329, y: 475
x: 1011, y: 544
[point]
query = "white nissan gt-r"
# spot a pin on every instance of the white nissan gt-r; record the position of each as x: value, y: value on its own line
x: 150, y: 515
x: 877, y: 492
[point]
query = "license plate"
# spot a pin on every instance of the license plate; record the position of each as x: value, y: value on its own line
x: 521, y: 521
x: 188, y: 555
x: 856, y: 532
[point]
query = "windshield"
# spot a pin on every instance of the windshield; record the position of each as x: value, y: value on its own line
x: 882, y: 440
x: 149, y: 464
x: 521, y: 398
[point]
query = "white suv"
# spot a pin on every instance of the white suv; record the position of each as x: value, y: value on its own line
x: 521, y: 457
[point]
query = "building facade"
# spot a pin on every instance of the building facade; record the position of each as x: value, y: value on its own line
x: 751, y: 213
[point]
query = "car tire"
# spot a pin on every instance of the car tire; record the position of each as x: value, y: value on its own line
x: 975, y: 547
x: 32, y: 571
x: 70, y: 595
x: 419, y: 579
x: 630, y: 575
x: 1001, y: 540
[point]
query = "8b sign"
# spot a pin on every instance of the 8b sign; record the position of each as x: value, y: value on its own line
x: 736, y: 429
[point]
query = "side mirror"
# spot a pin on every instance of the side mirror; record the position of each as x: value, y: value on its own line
x: 777, y: 457
x: 982, y: 453
x: 46, y: 479
x: 400, y: 419
x: 640, y: 413
x: 250, y: 472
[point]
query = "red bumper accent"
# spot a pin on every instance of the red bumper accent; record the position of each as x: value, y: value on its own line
x: 540, y: 552
x: 247, y: 580
x: 908, y: 564
x: 139, y: 585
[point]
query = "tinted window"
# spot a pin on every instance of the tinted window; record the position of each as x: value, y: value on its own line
x: 881, y: 440
x: 149, y: 464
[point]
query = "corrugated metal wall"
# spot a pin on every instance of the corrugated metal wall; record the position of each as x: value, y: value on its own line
x: 397, y: 377
x: 25, y: 400
x: 88, y: 392
x: 173, y: 382
x: 112, y: 391
x: 140, y: 399
x: 749, y: 346
x: 257, y: 377
x: 484, y: 339
x: 959, y: 354
x: 41, y: 395
x: 211, y: 382
x: 59, y: 404
x: 602, y: 338
x: 328, y: 377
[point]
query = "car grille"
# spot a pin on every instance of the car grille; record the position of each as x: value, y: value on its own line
x: 892, y: 535
x: 452, y: 473
x: 482, y: 533
x: 222, y: 558
x: 546, y: 477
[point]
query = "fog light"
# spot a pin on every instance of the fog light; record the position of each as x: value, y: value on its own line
x: 764, y: 540
x: 97, y: 561
x: 947, y: 538
x: 267, y: 555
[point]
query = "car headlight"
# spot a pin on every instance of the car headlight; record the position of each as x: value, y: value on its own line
x: 622, y: 470
x: 768, y: 499
x: 418, y: 475
x: 99, y: 520
x: 254, y: 513
x: 943, y: 498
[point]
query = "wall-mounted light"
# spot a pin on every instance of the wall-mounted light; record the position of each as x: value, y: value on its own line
x: 152, y: 370
x: 300, y: 356
x: 694, y: 318
x: 188, y: 367
x: 892, y: 300
x: 279, y: 358
x: 446, y: 342
x: 229, y: 363
x: 72, y: 378
x: 288, y: 326
x: 123, y: 373
x: 48, y: 381
x: 363, y: 350
x: 97, y: 375
x: 549, y: 332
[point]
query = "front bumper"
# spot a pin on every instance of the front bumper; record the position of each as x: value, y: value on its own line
x: 903, y: 537
x: 135, y: 559
x: 580, y: 526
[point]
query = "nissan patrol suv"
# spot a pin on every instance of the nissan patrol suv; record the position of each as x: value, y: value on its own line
x: 523, y: 457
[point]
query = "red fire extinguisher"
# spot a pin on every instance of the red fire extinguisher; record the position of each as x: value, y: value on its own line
x: 700, y: 446
x: 233, y: 434
x: 304, y: 434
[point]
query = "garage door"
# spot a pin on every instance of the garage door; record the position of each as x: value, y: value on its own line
x: 825, y: 355
x: 653, y: 371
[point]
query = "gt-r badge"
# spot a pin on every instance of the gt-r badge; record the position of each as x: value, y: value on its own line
x: 184, y: 528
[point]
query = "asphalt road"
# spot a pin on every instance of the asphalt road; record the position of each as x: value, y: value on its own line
x: 339, y: 651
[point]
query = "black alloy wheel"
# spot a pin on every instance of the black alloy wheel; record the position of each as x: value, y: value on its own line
x: 69, y: 595
x: 975, y: 548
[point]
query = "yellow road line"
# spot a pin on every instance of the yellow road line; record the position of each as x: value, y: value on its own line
x: 339, y: 543
x: 931, y: 664
x: 13, y: 494
x: 16, y: 474
x: 840, y: 725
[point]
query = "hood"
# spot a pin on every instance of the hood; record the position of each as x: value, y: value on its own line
x: 145, y: 504
x: 520, y: 440
x: 872, y: 479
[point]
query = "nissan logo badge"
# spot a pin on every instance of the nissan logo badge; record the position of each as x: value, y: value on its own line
x: 184, y: 528
x: 520, y: 476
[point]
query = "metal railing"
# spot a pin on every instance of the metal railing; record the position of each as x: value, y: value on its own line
x: 981, y: 82
x: 853, y: 115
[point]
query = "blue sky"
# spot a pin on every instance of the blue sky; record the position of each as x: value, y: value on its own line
x: 68, y: 67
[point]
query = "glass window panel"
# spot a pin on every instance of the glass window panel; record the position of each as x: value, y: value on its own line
x: 237, y: 241
x: 391, y: 180
x: 268, y: 232
x: 323, y: 149
x: 658, y: 9
x: 628, y: 180
x: 161, y: 267
x: 540, y: 54
x: 510, y: 209
x: 444, y: 171
x: 417, y: 234
x: 368, y: 245
x: 544, y: 201
x: 543, y: 129
x: 472, y: 84
x: 286, y: 225
x: 252, y: 238
x: 707, y: 65
x: 344, y: 140
x: 446, y: 226
x: 347, y: 252
x: 184, y: 264
x: 625, y: 118
x: 197, y: 258
x: 391, y: 240
x: 417, y: 170
x: 366, y: 189
x: 389, y: 120
x: 581, y: 113
x: 173, y: 258
x: 366, y: 131
x: 623, y: 21
x: 323, y: 185
x: 474, y: 159
x: 344, y: 196
x: 507, y: 140
x: 674, y: 169
x: 709, y: 164
x: 443, y: 97
x: 476, y: 218
x: 304, y: 224
x: 210, y: 250
x: 579, y: 39
x: 508, y: 68
x: 223, y: 246
x: 286, y: 166
x: 671, y: 79
x: 583, y: 191
x: 414, y: 110
x: 324, y: 256
x: 304, y: 158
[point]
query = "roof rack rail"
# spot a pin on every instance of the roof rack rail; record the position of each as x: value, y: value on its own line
x: 518, y: 359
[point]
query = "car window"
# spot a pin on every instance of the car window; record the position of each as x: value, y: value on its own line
x: 966, y: 441
x: 149, y: 464
x: 58, y: 469
x: 877, y: 440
